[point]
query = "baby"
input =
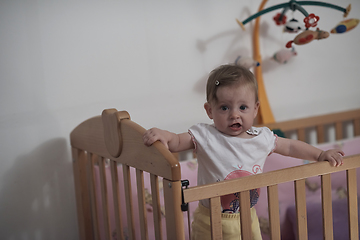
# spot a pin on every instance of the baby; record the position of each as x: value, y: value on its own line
x: 232, y: 147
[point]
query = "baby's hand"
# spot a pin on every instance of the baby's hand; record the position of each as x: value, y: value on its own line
x: 154, y: 134
x: 333, y: 156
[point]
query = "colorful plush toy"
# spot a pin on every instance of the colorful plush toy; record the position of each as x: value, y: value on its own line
x: 247, y: 62
x: 284, y: 55
x: 307, y: 36
x: 345, y: 25
x: 293, y: 26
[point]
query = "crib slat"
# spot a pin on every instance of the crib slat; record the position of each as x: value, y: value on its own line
x: 352, y: 204
x: 156, y: 205
x: 301, y: 134
x: 245, y: 216
x: 320, y: 134
x: 327, y: 207
x: 82, y: 194
x: 339, y: 130
x: 172, y: 196
x: 274, y: 216
x: 141, y: 203
x: 104, y: 197
x: 215, y: 218
x: 129, y: 202
x: 301, y: 216
x: 92, y: 159
x: 116, y: 197
x: 356, y: 123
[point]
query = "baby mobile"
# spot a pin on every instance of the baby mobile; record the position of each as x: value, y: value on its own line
x: 292, y: 26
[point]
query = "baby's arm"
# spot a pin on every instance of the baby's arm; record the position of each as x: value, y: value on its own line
x: 174, y: 142
x: 302, y: 150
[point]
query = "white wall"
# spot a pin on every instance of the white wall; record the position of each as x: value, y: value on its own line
x: 62, y: 62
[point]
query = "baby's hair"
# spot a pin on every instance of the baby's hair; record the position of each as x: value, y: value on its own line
x: 229, y: 74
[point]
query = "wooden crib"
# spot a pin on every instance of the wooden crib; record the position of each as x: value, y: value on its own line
x: 113, y: 137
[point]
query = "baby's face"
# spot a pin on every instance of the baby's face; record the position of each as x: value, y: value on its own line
x: 235, y: 110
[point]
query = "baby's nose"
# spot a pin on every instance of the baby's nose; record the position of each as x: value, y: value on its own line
x: 235, y: 114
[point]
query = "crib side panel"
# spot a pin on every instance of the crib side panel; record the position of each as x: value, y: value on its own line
x: 337, y: 121
x: 112, y: 201
x: 271, y: 180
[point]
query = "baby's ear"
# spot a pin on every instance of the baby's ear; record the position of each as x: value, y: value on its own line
x: 208, y: 109
x: 257, y: 105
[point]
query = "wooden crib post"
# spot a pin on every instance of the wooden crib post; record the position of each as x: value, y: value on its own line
x: 172, y: 195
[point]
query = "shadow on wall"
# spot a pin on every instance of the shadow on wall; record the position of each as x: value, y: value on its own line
x: 230, y: 57
x: 235, y: 47
x: 38, y: 195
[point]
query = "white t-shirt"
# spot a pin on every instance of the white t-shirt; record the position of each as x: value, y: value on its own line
x: 221, y: 157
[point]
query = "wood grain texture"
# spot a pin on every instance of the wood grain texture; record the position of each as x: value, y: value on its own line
x: 274, y: 212
x: 352, y: 204
x: 326, y: 200
x: 215, y: 218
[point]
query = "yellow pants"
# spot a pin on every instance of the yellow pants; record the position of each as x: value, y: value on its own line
x: 230, y: 225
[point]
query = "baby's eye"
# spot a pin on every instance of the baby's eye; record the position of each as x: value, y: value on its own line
x: 243, y: 107
x: 224, y: 108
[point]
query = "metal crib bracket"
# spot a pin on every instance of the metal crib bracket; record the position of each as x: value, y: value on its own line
x: 184, y: 206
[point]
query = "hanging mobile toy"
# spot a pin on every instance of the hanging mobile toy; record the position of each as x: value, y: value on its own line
x: 345, y: 25
x: 307, y: 36
x: 280, y: 18
x: 284, y: 55
x: 266, y: 115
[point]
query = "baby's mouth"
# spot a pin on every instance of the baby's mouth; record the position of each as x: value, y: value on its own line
x: 235, y: 126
